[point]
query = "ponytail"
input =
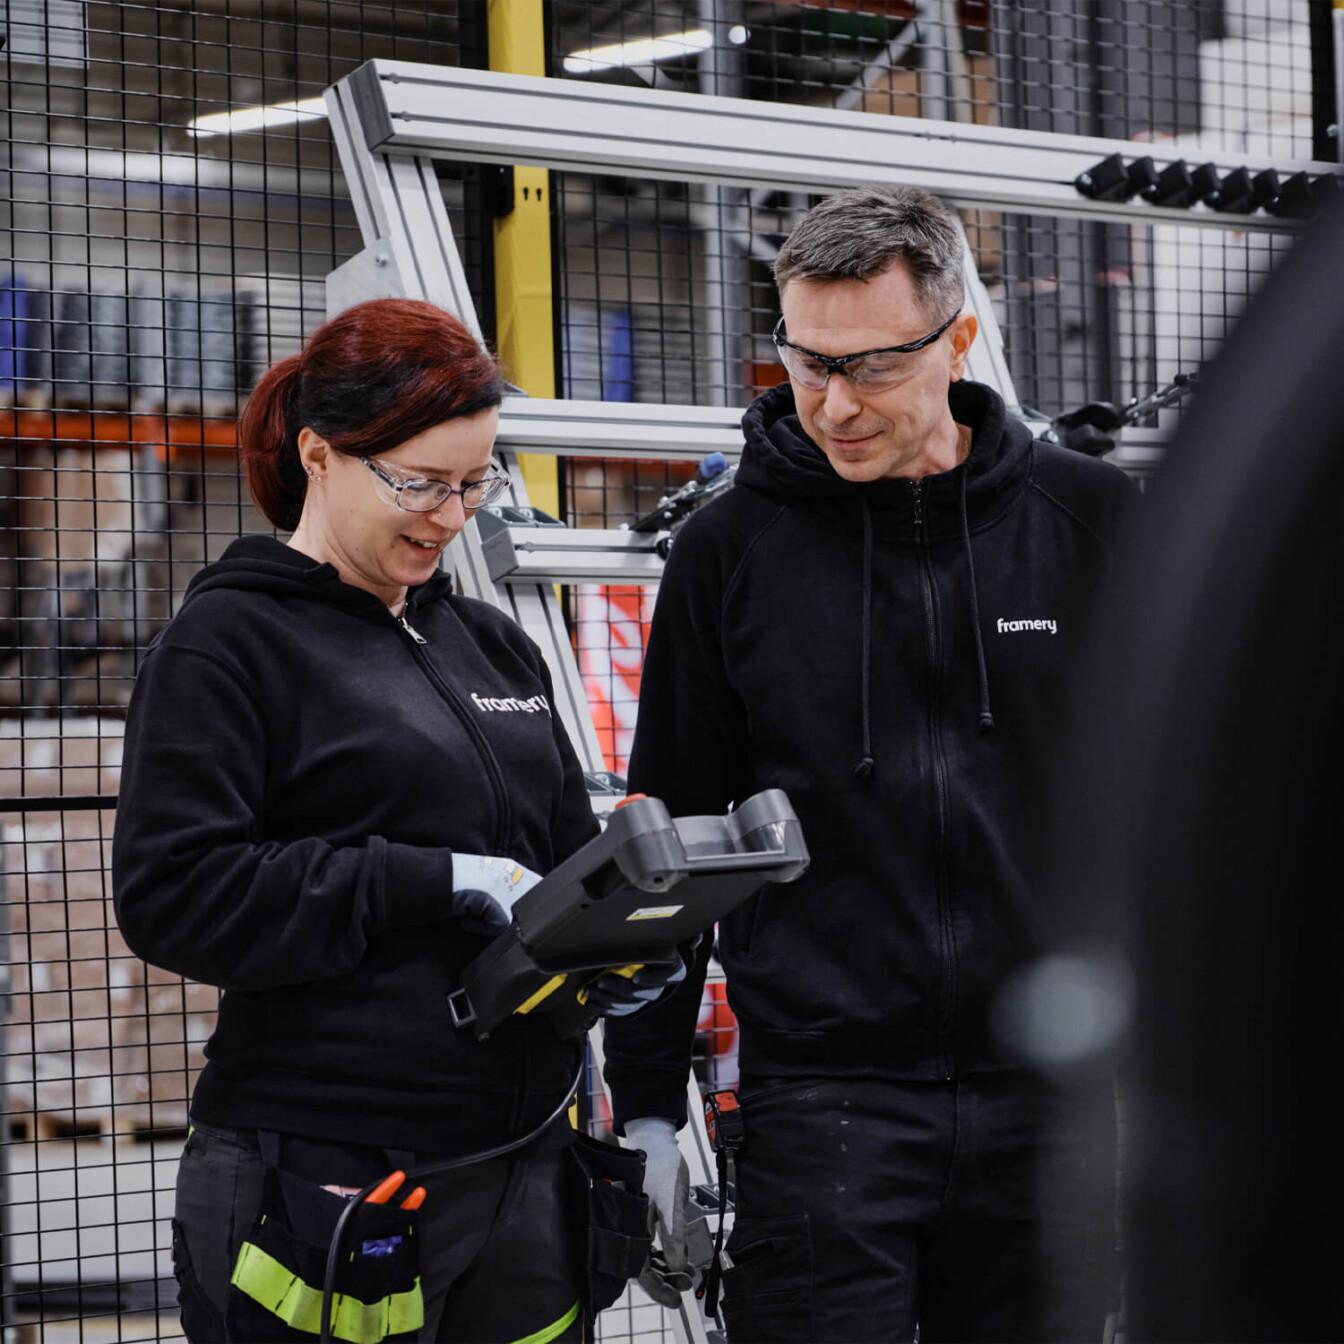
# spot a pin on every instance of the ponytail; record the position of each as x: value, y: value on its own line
x: 268, y: 442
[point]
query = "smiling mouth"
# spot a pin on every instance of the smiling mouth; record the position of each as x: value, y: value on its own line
x: 427, y: 546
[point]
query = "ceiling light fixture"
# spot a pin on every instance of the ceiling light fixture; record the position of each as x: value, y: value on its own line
x: 242, y: 119
x: 643, y: 51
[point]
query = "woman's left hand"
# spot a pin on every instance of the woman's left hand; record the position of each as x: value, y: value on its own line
x: 485, y: 888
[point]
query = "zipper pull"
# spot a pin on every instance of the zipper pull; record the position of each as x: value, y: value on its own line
x: 411, y: 630
x: 917, y: 488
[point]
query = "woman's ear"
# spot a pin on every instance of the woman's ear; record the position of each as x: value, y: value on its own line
x: 314, y: 452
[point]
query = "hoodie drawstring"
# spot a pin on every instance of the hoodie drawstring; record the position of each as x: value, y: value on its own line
x: 986, y: 715
x: 865, y: 765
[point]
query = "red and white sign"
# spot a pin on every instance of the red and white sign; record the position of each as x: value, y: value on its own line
x: 611, y: 630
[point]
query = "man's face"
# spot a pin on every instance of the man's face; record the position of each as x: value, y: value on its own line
x: 904, y: 430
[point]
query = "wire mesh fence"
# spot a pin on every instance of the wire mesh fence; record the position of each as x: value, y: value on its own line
x: 158, y: 256
x: 173, y: 204
x: 665, y: 288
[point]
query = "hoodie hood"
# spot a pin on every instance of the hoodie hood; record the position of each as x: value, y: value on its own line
x: 781, y: 461
x: 264, y: 564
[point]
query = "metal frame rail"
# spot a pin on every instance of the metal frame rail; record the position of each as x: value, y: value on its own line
x: 408, y: 109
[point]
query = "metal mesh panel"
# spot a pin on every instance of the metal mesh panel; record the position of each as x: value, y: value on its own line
x: 665, y: 287
x: 151, y: 273
x: 1131, y: 68
x: 665, y: 291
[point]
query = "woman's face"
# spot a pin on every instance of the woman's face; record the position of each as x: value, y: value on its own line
x: 350, y: 517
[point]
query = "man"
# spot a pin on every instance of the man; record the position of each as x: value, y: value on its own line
x: 878, y: 619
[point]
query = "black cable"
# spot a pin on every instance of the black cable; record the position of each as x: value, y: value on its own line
x: 434, y: 1169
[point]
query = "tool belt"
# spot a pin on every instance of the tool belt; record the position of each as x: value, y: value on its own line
x: 275, y: 1293
x: 612, y: 1218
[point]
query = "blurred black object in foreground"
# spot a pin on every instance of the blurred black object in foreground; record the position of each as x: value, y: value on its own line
x: 1207, y: 842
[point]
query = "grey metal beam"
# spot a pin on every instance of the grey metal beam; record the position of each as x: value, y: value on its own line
x: 484, y: 116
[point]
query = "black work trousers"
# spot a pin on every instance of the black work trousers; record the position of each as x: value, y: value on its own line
x: 497, y: 1256
x: 979, y: 1209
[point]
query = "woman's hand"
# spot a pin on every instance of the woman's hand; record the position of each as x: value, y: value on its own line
x: 485, y: 887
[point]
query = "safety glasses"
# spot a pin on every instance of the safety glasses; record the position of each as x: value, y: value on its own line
x: 423, y: 494
x: 872, y: 370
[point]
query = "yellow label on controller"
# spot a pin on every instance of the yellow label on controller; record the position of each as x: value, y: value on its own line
x: 654, y: 912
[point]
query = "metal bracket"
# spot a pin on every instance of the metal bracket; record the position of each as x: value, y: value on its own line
x: 519, y: 550
x: 370, y: 274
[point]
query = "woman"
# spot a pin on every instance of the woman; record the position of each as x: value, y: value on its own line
x: 317, y: 816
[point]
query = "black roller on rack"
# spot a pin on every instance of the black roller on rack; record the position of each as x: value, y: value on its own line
x: 629, y: 898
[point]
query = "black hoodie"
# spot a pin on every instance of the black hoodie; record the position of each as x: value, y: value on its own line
x: 895, y: 656
x: 299, y: 767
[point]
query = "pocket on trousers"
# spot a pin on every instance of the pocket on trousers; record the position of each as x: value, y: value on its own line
x: 201, y: 1323
x: 276, y: 1289
x: 768, y: 1291
x: 613, y: 1213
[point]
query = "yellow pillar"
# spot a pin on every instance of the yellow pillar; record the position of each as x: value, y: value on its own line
x: 524, y: 320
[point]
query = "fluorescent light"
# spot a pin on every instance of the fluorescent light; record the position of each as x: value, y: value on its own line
x: 640, y: 52
x: 257, y: 118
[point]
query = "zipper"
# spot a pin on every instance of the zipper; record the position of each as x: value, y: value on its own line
x: 945, y: 935
x: 503, y: 810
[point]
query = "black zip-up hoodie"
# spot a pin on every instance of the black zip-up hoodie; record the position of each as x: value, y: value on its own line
x: 299, y: 767
x: 895, y: 655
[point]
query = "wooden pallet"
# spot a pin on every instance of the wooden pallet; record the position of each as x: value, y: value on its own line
x: 70, y: 1126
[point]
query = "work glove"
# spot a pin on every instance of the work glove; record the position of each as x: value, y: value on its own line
x: 667, y: 1182
x: 485, y: 888
x: 620, y: 995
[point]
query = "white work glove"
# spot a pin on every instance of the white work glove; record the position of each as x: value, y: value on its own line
x: 667, y: 1182
x: 484, y: 890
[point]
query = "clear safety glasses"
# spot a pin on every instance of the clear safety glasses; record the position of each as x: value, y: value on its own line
x: 423, y: 494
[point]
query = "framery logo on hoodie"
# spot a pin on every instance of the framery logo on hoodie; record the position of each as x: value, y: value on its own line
x: 493, y: 704
x: 1013, y: 627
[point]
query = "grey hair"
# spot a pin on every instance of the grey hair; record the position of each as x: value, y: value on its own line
x: 857, y: 234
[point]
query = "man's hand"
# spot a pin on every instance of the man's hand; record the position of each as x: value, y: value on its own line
x: 667, y: 1182
x: 620, y: 995
x: 485, y: 887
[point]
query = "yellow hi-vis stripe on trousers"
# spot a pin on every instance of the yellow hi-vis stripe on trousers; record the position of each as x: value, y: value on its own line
x: 550, y: 1332
x: 266, y: 1281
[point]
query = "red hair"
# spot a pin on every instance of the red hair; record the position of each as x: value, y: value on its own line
x: 371, y: 378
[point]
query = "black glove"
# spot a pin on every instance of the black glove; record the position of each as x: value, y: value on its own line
x: 614, y: 995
